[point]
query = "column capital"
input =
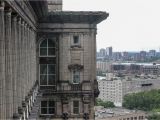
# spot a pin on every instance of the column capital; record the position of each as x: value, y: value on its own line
x: 19, y: 20
x: 28, y: 26
x: 14, y: 17
x: 2, y: 5
x: 23, y: 22
x: 8, y: 11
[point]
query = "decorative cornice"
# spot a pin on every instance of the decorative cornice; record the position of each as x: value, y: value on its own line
x: 75, y: 67
x: 90, y: 17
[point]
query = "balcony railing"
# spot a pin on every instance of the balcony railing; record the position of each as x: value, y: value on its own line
x: 25, y: 109
x: 76, y: 87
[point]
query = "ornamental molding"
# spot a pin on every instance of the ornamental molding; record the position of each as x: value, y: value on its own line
x: 75, y: 67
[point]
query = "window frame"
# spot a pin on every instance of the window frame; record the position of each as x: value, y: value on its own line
x: 47, y: 48
x: 73, y: 76
x: 76, y: 38
x: 78, y: 43
x: 47, y: 75
x: 78, y: 108
x: 48, y: 107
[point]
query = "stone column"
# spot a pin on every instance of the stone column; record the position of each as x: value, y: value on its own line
x: 19, y: 82
x: 34, y: 57
x: 27, y: 59
x: 22, y: 61
x: 14, y: 61
x: 8, y: 65
x: 2, y: 62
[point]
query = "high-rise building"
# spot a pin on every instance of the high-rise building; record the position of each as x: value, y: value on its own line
x: 152, y: 53
x: 109, y: 51
x: 102, y: 52
x: 47, y: 61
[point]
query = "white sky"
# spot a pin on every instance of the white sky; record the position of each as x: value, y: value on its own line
x: 132, y: 25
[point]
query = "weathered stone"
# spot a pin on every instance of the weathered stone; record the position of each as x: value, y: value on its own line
x: 23, y: 84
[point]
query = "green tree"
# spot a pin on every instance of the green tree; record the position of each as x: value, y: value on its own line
x: 105, y: 104
x: 146, y: 101
x: 154, y: 117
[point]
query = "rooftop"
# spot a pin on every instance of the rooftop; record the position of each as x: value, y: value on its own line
x: 90, y: 17
x: 114, y: 112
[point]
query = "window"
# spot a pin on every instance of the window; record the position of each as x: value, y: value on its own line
x: 47, y: 107
x: 75, y: 39
x: 76, y: 76
x: 47, y: 61
x: 48, y: 47
x: 76, y: 107
x: 47, y: 74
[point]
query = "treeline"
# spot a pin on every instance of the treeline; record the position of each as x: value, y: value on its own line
x: 105, y: 104
x: 147, y: 101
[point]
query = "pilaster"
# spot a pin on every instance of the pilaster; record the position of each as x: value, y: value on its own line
x: 2, y: 61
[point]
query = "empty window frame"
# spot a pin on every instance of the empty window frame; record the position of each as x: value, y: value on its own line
x: 47, y: 74
x: 76, y: 40
x: 76, y: 76
x: 47, y: 48
x: 76, y: 107
x: 48, y: 107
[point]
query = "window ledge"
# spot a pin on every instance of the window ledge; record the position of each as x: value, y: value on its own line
x: 75, y: 66
x: 76, y: 46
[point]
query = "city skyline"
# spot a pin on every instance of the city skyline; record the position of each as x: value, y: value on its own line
x: 131, y: 26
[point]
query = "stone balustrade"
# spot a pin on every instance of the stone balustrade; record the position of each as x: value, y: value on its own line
x: 24, y: 111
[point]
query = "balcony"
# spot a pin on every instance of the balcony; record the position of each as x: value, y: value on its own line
x: 67, y: 87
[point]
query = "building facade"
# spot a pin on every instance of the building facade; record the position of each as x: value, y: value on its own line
x: 120, y: 114
x: 114, y: 90
x: 47, y: 61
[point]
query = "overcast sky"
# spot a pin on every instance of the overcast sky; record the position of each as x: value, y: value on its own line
x: 132, y: 25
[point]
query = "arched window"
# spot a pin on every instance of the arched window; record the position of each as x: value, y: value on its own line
x: 48, y: 48
x: 47, y: 64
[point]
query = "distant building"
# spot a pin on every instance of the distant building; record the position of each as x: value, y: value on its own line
x: 116, y: 56
x: 152, y: 53
x: 102, y: 52
x: 136, y: 68
x: 109, y: 51
x: 103, y: 66
x: 115, y: 89
x: 143, y: 55
x: 125, y: 55
x: 119, y: 114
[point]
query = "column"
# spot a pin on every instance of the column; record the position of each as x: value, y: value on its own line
x: 2, y: 62
x: 19, y: 82
x: 34, y: 57
x: 27, y: 59
x: 22, y: 61
x: 8, y: 65
x: 14, y: 62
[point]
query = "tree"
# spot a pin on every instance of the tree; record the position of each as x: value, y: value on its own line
x: 105, y: 104
x: 154, y: 117
x: 146, y: 101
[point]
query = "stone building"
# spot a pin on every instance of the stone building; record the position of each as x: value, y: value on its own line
x: 116, y: 88
x: 120, y: 114
x: 47, y: 61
